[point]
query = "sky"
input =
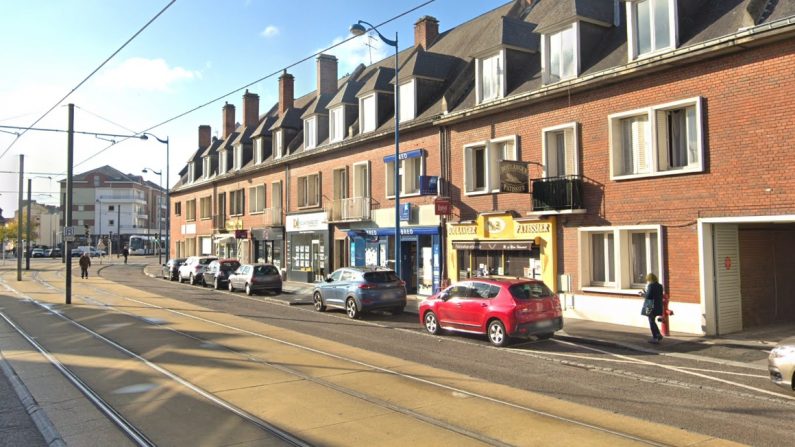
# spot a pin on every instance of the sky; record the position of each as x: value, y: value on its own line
x: 194, y: 52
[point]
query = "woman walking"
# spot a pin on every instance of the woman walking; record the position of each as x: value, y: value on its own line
x: 85, y: 263
x: 653, y: 305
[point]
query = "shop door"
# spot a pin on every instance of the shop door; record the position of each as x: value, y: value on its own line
x: 728, y: 299
x: 318, y: 261
x: 408, y: 265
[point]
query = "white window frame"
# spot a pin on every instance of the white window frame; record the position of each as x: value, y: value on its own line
x: 206, y: 166
x: 208, y: 208
x: 656, y: 155
x: 491, y: 164
x: 237, y: 156
x: 258, y: 153
x: 622, y: 250
x: 389, y: 177
x: 340, y: 183
x: 363, y: 113
x: 355, y: 192
x: 237, y: 202
x: 548, y: 50
x: 190, y: 210
x: 408, y: 101
x: 276, y: 186
x: 222, y: 159
x: 256, y: 199
x: 304, y: 199
x: 337, y: 114
x: 310, y: 132
x: 632, y: 34
x: 278, y: 144
x: 547, y: 158
x: 501, y: 73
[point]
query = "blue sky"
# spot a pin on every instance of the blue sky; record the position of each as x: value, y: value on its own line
x: 196, y: 51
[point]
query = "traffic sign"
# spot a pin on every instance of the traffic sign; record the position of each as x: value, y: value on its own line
x: 69, y: 234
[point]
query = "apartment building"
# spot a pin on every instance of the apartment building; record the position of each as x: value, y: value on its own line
x: 585, y: 143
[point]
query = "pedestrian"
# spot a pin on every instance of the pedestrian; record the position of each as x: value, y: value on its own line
x: 653, y: 305
x: 125, y: 253
x: 85, y: 263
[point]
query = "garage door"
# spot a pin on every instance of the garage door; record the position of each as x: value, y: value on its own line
x: 727, y: 279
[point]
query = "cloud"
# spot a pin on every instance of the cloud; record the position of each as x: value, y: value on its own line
x: 145, y: 74
x: 269, y: 31
x: 362, y: 50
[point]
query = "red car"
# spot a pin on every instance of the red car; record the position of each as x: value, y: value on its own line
x: 499, y: 308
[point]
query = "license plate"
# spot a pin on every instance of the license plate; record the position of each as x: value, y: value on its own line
x: 545, y: 323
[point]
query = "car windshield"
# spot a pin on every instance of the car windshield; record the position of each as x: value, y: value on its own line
x: 232, y: 265
x: 206, y: 261
x: 529, y: 290
x: 265, y: 270
x: 381, y: 277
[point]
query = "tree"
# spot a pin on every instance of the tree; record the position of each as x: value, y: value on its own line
x: 8, y: 232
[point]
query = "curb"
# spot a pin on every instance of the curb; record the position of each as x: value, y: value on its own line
x: 48, y: 431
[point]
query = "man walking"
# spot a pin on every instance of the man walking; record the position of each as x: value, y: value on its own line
x: 85, y: 263
x: 125, y: 253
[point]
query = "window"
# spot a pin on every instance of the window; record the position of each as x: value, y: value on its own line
x: 236, y: 202
x: 177, y: 208
x: 238, y: 157
x: 652, y: 26
x: 278, y: 144
x: 256, y: 199
x: 411, y: 168
x: 560, y: 150
x: 111, y: 222
x: 407, y: 101
x: 191, y: 172
x: 207, y: 164
x: 490, y: 72
x: 560, y: 56
x: 337, y: 124
x: 310, y: 133
x: 96, y: 180
x: 367, y: 117
x: 482, y: 164
x: 340, y: 186
x: 205, y: 207
x: 190, y: 209
x: 659, y: 140
x: 111, y: 207
x: 361, y: 179
x: 619, y: 258
x: 309, y: 191
x: 259, y: 156
x: 276, y: 195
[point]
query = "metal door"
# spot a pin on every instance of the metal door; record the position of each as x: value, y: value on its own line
x: 728, y: 299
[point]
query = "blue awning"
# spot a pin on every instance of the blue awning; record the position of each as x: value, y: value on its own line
x: 405, y: 155
x: 405, y: 231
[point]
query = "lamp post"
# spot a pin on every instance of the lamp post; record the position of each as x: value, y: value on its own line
x: 358, y: 29
x: 168, y: 192
x: 159, y: 214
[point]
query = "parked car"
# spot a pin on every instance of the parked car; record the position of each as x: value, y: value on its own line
x: 53, y: 253
x: 218, y: 271
x: 361, y: 289
x: 93, y: 252
x: 171, y: 268
x: 37, y: 253
x: 781, y: 364
x: 193, y: 268
x: 256, y: 278
x: 499, y: 308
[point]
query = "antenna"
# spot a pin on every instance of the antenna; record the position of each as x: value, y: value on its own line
x: 370, y: 46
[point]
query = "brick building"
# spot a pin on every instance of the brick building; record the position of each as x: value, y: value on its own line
x: 584, y: 143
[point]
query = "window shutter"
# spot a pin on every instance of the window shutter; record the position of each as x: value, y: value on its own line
x: 495, y: 155
x: 570, y: 150
x: 302, y: 191
x: 640, y: 144
x: 468, y: 174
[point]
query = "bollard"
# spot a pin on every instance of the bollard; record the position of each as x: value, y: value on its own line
x: 664, y: 329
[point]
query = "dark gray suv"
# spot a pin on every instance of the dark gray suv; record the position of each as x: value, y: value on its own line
x: 361, y: 289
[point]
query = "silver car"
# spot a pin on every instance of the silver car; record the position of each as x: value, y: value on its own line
x: 781, y: 364
x: 360, y: 289
x: 255, y: 278
x: 193, y: 268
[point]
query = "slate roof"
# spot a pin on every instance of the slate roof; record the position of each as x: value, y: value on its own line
x: 562, y: 12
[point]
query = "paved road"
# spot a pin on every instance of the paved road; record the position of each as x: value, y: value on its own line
x: 448, y: 380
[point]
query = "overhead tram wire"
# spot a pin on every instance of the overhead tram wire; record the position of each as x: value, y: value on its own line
x: 87, y: 77
x: 279, y: 71
x: 105, y: 119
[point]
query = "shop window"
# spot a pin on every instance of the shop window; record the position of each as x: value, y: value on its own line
x: 560, y: 150
x: 256, y: 199
x: 560, y: 54
x: 482, y: 164
x: 309, y: 191
x: 490, y: 77
x: 619, y: 258
x: 652, y: 27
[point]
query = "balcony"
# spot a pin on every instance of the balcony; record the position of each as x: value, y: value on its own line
x: 349, y: 210
x: 557, y: 193
x: 272, y: 217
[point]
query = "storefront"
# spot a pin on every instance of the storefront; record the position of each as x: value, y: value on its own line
x: 420, y: 252
x: 307, y: 242
x: 267, y: 244
x: 498, y: 244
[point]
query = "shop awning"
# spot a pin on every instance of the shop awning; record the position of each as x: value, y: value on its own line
x: 405, y: 155
x: 404, y: 231
x: 493, y: 245
x: 224, y: 239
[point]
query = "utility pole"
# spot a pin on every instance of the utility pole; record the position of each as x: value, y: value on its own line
x: 28, y: 249
x: 70, y: 149
x: 19, y: 220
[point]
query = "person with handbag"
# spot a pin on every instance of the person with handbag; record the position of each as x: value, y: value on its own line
x: 653, y: 305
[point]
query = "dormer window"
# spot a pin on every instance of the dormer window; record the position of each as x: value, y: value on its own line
x: 207, y: 164
x: 310, y: 133
x: 490, y: 77
x: 367, y: 113
x: 560, y: 54
x: 222, y: 159
x: 408, y: 109
x: 238, y: 157
x: 652, y: 26
x: 337, y: 124
x: 278, y: 144
x: 192, y: 172
x: 258, y: 152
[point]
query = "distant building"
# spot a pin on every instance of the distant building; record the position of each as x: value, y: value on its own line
x: 44, y: 221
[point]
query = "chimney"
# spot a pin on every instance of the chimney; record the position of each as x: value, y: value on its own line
x: 250, y: 109
x: 285, y: 92
x: 326, y: 74
x: 426, y: 30
x: 204, y: 136
x: 229, y: 119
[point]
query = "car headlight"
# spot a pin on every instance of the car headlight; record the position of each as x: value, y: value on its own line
x: 782, y: 351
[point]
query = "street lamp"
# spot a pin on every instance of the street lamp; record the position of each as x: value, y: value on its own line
x: 168, y: 191
x: 159, y: 214
x: 358, y: 29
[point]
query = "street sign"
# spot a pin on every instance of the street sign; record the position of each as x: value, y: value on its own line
x: 69, y: 234
x: 443, y: 206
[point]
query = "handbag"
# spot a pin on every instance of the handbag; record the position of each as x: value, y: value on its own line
x: 648, y: 307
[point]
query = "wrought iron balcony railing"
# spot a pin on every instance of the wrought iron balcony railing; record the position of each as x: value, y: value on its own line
x: 350, y: 209
x: 272, y: 217
x: 557, y: 193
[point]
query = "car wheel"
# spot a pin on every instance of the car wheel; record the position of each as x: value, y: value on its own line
x: 545, y: 336
x: 216, y: 284
x: 496, y: 333
x: 179, y: 278
x: 351, y: 309
x: 432, y: 324
x: 249, y: 291
x: 192, y: 280
x: 277, y: 291
x: 204, y: 283
x: 231, y: 287
x: 318, y: 301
